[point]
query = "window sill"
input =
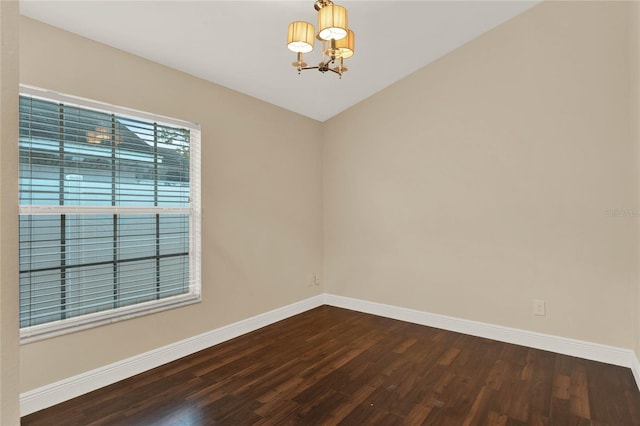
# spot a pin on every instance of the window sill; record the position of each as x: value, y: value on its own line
x: 72, y: 325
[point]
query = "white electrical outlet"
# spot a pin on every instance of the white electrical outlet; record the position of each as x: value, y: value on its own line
x: 539, y: 307
x: 310, y: 279
x: 317, y: 278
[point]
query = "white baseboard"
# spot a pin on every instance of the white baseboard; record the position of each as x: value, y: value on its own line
x: 562, y: 345
x: 635, y: 369
x: 54, y: 393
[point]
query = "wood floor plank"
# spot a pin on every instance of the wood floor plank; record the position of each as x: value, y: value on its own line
x: 339, y: 413
x: 331, y: 366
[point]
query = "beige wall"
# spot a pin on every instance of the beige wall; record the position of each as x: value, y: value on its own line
x: 635, y: 131
x: 9, y: 348
x: 483, y: 181
x: 261, y: 224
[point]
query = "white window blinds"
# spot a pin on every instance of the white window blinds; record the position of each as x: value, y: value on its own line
x: 109, y: 213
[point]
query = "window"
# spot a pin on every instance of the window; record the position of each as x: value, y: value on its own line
x: 109, y: 213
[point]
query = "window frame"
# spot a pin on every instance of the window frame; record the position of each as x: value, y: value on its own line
x: 194, y: 295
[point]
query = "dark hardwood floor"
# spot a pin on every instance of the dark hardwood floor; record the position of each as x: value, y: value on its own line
x: 334, y: 366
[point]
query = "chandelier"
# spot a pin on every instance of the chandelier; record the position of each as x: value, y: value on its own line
x: 337, y: 39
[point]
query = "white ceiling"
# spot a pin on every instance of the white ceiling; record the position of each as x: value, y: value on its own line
x: 242, y: 44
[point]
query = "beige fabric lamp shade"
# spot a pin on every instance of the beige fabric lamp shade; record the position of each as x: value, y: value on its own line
x: 300, y: 37
x: 332, y: 22
x: 346, y: 46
